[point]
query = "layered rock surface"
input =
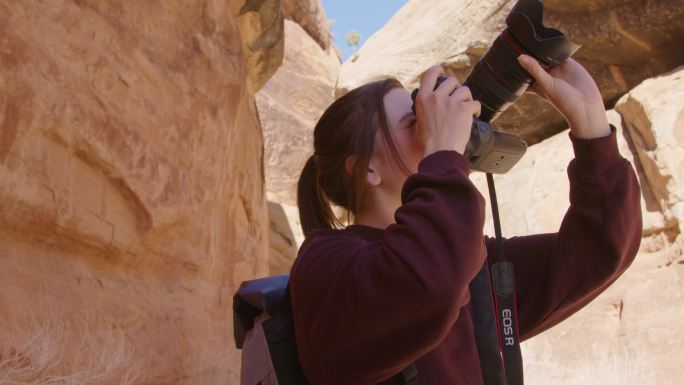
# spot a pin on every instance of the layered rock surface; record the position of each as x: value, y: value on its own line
x: 654, y: 117
x: 131, y: 187
x: 289, y: 105
x: 623, y: 43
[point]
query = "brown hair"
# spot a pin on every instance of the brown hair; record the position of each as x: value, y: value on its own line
x: 347, y: 127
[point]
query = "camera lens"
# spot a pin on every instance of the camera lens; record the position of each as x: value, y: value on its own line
x: 498, y: 80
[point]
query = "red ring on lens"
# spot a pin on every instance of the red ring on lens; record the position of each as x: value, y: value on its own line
x: 511, y: 42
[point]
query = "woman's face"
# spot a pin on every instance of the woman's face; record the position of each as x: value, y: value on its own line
x: 402, y: 123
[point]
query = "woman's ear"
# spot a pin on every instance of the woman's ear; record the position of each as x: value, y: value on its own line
x: 349, y: 163
x: 372, y: 176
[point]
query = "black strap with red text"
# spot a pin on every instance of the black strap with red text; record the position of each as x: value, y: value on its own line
x: 495, y: 316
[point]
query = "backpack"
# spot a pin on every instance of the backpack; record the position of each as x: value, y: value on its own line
x: 264, y: 330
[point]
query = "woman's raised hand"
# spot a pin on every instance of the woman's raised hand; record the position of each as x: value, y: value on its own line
x: 444, y: 118
x: 573, y: 92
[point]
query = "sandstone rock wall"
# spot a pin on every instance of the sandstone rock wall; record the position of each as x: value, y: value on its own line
x: 654, y: 117
x: 623, y: 43
x: 131, y: 184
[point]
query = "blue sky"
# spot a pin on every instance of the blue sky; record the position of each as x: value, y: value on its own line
x: 364, y: 16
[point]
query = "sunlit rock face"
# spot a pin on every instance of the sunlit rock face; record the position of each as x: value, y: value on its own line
x: 623, y: 42
x: 289, y: 106
x: 284, y: 245
x: 131, y: 184
x: 309, y: 14
x: 653, y: 114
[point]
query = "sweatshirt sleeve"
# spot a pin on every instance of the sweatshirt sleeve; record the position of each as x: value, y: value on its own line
x: 557, y: 274
x: 364, y: 311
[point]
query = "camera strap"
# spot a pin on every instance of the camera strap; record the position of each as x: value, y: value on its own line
x: 495, y: 314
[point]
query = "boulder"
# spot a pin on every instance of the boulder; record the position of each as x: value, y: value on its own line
x: 132, y: 198
x: 309, y: 14
x: 261, y: 32
x: 656, y: 225
x: 289, y: 106
x: 292, y: 213
x: 653, y: 114
x: 541, y: 176
x: 623, y: 43
x: 284, y: 247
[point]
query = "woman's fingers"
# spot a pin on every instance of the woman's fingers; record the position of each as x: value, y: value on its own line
x: 444, y: 116
x: 474, y: 107
x: 448, y: 86
x: 428, y: 81
x: 536, y: 90
x: 463, y: 94
x: 541, y: 77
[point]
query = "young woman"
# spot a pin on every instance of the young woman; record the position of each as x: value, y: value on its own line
x: 392, y: 288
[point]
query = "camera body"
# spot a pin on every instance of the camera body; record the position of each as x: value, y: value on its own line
x: 488, y: 150
x: 493, y: 151
x: 498, y: 80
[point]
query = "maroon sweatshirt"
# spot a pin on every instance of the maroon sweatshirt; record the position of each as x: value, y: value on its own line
x: 369, y: 302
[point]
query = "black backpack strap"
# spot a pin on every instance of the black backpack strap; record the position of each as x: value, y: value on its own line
x: 409, y: 375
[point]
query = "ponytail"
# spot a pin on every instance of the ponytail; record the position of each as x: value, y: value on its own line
x: 314, y: 208
x: 347, y: 128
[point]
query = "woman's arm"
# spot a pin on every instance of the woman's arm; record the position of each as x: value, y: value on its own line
x: 365, y: 311
x: 557, y: 274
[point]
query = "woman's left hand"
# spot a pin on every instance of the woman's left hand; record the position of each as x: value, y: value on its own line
x: 571, y: 89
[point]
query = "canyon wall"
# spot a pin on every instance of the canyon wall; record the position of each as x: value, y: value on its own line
x: 132, y: 197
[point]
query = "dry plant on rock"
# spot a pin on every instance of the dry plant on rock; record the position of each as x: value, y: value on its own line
x: 59, y: 352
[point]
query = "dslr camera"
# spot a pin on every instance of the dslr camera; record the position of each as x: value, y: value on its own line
x: 498, y: 80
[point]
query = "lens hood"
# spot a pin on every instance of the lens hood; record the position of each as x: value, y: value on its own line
x: 547, y: 45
